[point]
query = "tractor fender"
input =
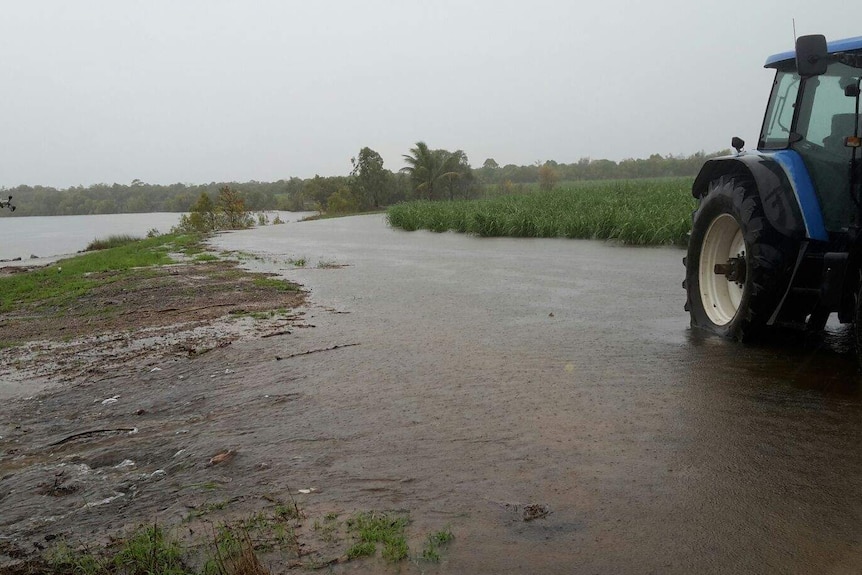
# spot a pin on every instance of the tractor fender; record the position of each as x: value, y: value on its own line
x: 783, y: 184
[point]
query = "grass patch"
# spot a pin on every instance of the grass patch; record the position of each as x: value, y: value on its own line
x: 242, y: 546
x: 206, y: 258
x: 71, y: 278
x: 275, y: 283
x: 361, y: 549
x: 636, y: 212
x: 371, y: 528
x: 431, y: 551
x: 149, y: 551
x: 114, y: 241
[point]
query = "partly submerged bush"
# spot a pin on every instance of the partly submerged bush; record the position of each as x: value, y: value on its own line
x: 110, y: 242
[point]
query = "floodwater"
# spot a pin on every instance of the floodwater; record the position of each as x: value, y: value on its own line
x: 492, y: 374
x: 49, y: 236
x: 464, y: 380
x: 53, y: 236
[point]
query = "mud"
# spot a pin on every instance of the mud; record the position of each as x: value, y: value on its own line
x: 475, y: 384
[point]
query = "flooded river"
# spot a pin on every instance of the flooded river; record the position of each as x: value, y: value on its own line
x: 493, y: 374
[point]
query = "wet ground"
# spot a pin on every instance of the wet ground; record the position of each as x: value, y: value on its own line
x: 472, y: 379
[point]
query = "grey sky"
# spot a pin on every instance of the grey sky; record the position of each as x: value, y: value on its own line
x: 204, y: 90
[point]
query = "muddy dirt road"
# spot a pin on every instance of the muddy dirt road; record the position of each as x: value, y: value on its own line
x: 481, y: 376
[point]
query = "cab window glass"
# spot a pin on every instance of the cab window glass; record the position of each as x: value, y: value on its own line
x: 827, y: 115
x: 779, y: 113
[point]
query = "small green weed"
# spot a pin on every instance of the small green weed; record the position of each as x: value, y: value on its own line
x: 298, y: 262
x: 432, y: 545
x: 361, y: 549
x: 208, y: 508
x: 286, y: 511
x: 329, y: 528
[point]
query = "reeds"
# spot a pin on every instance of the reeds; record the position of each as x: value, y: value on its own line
x: 635, y: 212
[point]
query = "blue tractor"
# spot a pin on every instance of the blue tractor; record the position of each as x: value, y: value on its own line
x: 776, y: 238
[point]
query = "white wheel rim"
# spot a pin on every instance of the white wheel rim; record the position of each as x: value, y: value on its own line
x: 720, y: 297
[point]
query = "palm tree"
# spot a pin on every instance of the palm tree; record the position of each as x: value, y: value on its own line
x: 426, y: 167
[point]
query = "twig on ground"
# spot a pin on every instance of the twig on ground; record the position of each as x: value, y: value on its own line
x: 91, y: 432
x: 279, y: 358
x: 275, y: 333
x: 167, y: 309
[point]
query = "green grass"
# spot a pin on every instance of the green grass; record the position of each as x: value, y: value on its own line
x: 636, y: 212
x: 110, y: 242
x: 371, y: 528
x: 206, y: 258
x: 65, y: 280
x: 147, y: 550
x: 298, y: 262
x: 234, y: 547
x: 275, y: 283
x: 432, y: 545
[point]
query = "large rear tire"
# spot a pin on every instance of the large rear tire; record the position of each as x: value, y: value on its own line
x: 735, y: 261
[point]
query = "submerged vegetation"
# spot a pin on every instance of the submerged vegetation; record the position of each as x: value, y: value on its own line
x: 637, y: 212
x: 110, y: 242
x: 247, y: 546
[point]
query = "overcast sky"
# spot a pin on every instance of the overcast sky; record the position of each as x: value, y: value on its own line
x: 201, y: 90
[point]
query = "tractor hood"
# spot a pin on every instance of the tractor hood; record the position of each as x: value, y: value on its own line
x: 846, y: 45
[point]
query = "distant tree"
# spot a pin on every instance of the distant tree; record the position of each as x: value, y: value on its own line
x: 491, y: 164
x: 458, y: 178
x: 201, y: 217
x: 344, y: 201
x: 369, y: 180
x: 430, y: 170
x: 316, y: 191
x: 232, y: 212
x: 548, y: 177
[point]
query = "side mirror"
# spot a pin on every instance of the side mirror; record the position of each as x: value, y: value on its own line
x: 811, y: 55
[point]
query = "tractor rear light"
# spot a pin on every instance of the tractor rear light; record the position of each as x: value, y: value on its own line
x: 853, y: 141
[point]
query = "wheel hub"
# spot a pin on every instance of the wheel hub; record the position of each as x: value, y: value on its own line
x: 733, y: 270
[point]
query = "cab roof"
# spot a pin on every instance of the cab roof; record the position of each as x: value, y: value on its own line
x: 845, y: 45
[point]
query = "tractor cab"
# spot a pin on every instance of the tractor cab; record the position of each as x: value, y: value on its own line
x: 816, y: 114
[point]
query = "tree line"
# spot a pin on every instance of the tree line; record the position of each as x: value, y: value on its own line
x: 433, y: 174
